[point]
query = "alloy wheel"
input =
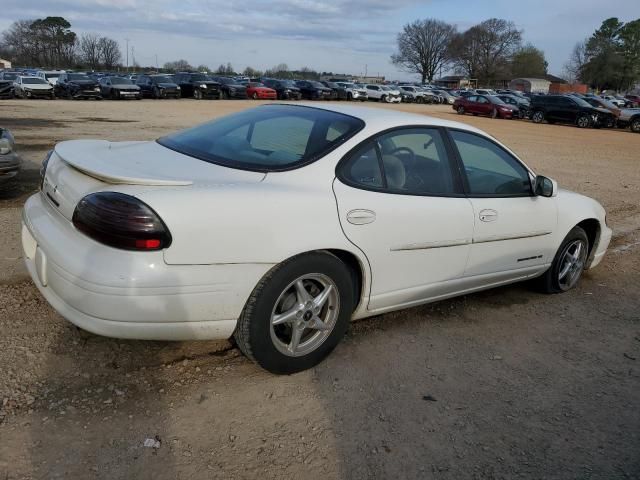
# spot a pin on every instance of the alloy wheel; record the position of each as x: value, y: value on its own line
x: 305, y: 314
x: 572, y: 263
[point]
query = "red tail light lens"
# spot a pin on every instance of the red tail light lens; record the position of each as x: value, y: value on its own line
x: 121, y: 221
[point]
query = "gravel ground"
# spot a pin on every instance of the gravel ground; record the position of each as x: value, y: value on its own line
x: 506, y: 383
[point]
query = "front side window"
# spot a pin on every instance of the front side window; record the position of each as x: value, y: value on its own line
x: 490, y: 170
x: 410, y: 161
x: 269, y: 138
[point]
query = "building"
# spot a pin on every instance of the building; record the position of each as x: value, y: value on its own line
x: 530, y: 85
x: 351, y: 78
x: 456, y: 81
x: 5, y: 63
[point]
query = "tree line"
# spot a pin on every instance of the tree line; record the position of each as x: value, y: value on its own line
x: 609, y: 58
x: 49, y: 42
x: 490, y: 51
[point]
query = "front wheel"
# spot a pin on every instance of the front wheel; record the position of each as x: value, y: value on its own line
x: 583, y: 121
x: 156, y: 93
x: 297, y: 314
x: 494, y: 113
x: 197, y: 94
x: 460, y: 110
x: 568, y: 264
x: 255, y: 95
x: 635, y: 125
x: 537, y: 117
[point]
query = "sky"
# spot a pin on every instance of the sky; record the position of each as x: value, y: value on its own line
x: 342, y: 36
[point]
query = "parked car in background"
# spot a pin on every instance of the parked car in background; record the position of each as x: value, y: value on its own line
x: 9, y: 75
x: 522, y: 104
x: 337, y: 92
x: 446, y: 96
x: 634, y: 100
x: 77, y: 86
x: 410, y: 94
x: 485, y: 91
x: 630, y: 117
x: 9, y: 159
x: 488, y: 105
x: 50, y: 76
x: 158, y: 86
x: 353, y: 92
x: 259, y: 91
x: 393, y: 93
x: 285, y: 89
x: 568, y: 109
x: 169, y: 261
x: 198, y: 86
x: 312, y: 90
x: 230, y: 88
x: 6, y: 88
x: 118, y: 88
x: 615, y: 100
x: 32, y: 87
x: 599, y: 102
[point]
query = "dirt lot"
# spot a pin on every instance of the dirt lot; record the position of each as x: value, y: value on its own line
x: 503, y: 384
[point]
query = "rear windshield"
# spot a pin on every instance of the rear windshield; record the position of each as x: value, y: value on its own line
x: 266, y: 139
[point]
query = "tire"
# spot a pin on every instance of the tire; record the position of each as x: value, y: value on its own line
x: 156, y: 93
x: 538, y: 116
x: 553, y: 280
x: 635, y: 125
x: 494, y: 113
x: 114, y: 95
x: 383, y: 99
x: 255, y: 95
x: 223, y: 95
x: 197, y: 94
x: 349, y: 96
x: 269, y: 345
x: 583, y: 121
x: 460, y: 110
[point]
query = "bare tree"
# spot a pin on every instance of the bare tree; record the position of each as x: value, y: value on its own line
x: 423, y: 47
x: 109, y: 52
x: 89, y: 46
x: 577, y: 60
x: 485, y: 50
x: 178, y: 65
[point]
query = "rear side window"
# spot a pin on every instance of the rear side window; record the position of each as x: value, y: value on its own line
x: 490, y: 170
x: 268, y: 138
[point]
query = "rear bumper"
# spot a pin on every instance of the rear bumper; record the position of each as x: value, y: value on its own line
x: 126, y: 294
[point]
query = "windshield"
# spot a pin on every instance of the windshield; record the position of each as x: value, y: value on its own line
x: 255, y: 84
x: 266, y: 139
x: 288, y: 83
x: 162, y: 79
x: 581, y: 101
x: 198, y: 78
x: 316, y: 84
x: 34, y: 81
x: 51, y: 75
x: 226, y: 81
x: 121, y: 81
x: 495, y: 100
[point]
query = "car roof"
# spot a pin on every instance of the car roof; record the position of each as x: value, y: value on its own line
x: 379, y: 118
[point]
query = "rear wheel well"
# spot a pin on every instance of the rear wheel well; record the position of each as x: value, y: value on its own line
x: 591, y: 226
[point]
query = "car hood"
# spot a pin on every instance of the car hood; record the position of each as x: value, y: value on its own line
x: 145, y: 163
x: 166, y: 85
x: 601, y: 110
x: 83, y: 83
x: 235, y: 85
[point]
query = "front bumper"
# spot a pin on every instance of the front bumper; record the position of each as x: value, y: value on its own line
x: 125, y: 294
x: 89, y: 93
x: 9, y: 166
x: 38, y: 93
x: 601, y: 248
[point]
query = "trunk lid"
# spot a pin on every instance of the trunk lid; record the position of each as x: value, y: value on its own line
x: 80, y: 167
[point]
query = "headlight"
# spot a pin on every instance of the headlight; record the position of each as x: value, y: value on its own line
x: 5, y: 146
x: 178, y: 87
x: 203, y: 85
x: 96, y: 89
x: 287, y: 90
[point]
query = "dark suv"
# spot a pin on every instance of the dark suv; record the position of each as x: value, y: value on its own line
x: 197, y: 85
x: 568, y: 109
x: 230, y: 88
x: 77, y: 85
x: 158, y: 86
x: 286, y: 89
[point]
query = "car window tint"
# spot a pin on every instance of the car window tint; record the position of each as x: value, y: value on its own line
x: 269, y: 138
x: 490, y: 170
x: 415, y: 161
x: 286, y: 135
x: 363, y: 168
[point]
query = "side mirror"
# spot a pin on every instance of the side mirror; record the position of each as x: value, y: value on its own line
x: 545, y: 187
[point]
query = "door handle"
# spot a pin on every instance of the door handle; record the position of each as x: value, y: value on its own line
x: 361, y: 216
x: 488, y: 215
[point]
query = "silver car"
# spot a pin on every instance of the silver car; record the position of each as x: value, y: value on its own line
x: 9, y: 159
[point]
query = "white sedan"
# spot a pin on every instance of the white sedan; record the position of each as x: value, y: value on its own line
x: 32, y: 87
x: 280, y: 224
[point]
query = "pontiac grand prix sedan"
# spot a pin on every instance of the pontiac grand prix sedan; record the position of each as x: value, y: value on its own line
x: 280, y: 224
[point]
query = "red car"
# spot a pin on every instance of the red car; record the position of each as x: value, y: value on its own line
x: 484, y: 105
x: 258, y: 91
x: 634, y: 100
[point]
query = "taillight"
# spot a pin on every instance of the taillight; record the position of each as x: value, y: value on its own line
x: 43, y: 168
x: 121, y: 221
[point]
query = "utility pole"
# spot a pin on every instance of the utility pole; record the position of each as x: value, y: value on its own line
x: 366, y: 70
x: 133, y: 55
x: 156, y: 61
x: 127, y: 40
